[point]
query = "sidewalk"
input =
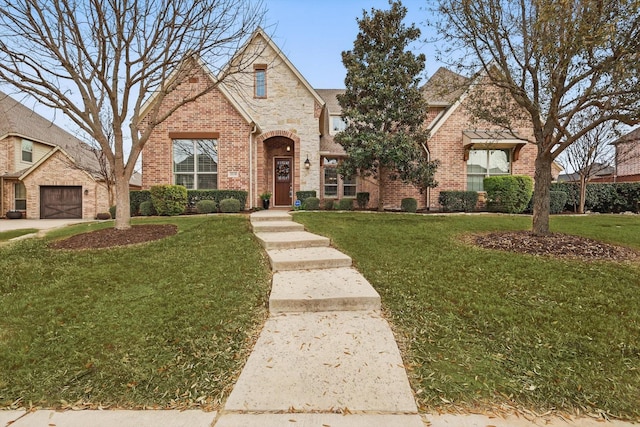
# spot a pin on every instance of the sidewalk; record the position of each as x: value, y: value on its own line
x: 325, y: 357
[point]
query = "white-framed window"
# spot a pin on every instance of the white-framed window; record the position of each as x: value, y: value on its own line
x: 337, y: 125
x: 27, y: 151
x: 20, y: 196
x: 335, y: 186
x: 260, y: 80
x: 195, y: 163
x: 484, y: 163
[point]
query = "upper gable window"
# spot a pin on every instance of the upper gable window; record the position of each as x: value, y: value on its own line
x: 27, y: 151
x: 260, y: 80
x: 337, y: 124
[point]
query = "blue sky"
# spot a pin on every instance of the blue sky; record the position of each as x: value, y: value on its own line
x: 313, y: 34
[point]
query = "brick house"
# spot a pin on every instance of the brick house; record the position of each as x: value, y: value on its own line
x: 270, y: 131
x: 45, y: 172
x: 627, y: 148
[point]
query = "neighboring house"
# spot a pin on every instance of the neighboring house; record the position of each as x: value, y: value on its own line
x: 628, y: 157
x: 599, y: 172
x: 45, y: 172
x: 277, y: 136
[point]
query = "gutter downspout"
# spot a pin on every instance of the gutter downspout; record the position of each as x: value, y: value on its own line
x: 251, y: 169
x: 428, y: 188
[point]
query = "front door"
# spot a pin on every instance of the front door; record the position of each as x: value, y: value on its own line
x: 283, y: 181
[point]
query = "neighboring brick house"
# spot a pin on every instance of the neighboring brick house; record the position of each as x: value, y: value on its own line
x: 270, y: 131
x: 45, y: 172
x: 627, y: 167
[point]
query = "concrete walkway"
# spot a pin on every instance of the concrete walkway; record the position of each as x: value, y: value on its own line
x: 325, y: 356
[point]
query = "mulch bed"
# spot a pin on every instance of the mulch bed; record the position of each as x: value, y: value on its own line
x: 555, y: 245
x: 110, y: 237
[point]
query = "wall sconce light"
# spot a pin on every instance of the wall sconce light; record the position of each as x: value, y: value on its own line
x: 307, y: 163
x: 288, y: 148
x: 86, y: 192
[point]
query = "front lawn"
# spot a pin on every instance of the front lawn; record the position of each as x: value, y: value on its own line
x: 165, y: 324
x: 483, y: 328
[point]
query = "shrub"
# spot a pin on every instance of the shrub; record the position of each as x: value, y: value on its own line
x: 557, y: 202
x: 206, y: 206
x: 508, y: 193
x: 409, y: 204
x: 147, y: 209
x: 169, y: 200
x: 458, y: 201
x: 311, y: 203
x: 194, y: 196
x: 345, y: 204
x: 136, y: 197
x: 304, y: 195
x: 103, y: 216
x: 362, y: 199
x: 601, y: 197
x: 329, y: 204
x: 112, y: 211
x: 230, y: 206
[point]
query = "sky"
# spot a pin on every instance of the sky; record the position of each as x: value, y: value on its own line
x: 313, y: 34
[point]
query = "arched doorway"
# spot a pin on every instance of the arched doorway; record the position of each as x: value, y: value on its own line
x: 279, y: 165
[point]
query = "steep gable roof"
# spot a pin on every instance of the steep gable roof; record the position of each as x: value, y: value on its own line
x: 18, y: 120
x: 444, y: 87
x: 259, y: 32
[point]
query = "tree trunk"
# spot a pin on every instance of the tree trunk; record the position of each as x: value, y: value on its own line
x: 381, y: 187
x: 583, y: 194
x: 123, y: 213
x: 541, y: 195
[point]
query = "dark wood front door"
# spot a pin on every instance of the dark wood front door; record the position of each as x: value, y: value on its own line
x: 60, y: 202
x: 283, y: 173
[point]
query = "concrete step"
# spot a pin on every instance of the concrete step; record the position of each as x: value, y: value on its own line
x: 270, y: 215
x: 324, y: 362
x: 276, y: 226
x: 307, y: 259
x: 333, y: 289
x: 292, y: 240
x: 316, y: 420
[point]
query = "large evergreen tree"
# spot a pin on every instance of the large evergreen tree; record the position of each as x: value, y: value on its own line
x: 383, y: 106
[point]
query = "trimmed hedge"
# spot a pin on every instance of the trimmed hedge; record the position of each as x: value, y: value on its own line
x: 330, y: 204
x: 217, y: 196
x: 362, y: 199
x: 602, y: 197
x: 311, y: 204
x: 409, y: 204
x: 169, y: 200
x: 345, y: 204
x: 206, y: 206
x: 230, y: 206
x: 112, y: 211
x: 136, y: 197
x: 508, y: 193
x: 147, y: 209
x: 557, y: 202
x: 458, y: 201
x: 304, y: 195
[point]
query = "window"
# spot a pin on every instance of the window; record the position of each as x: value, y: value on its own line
x: 195, y: 163
x: 334, y: 185
x: 27, y: 151
x: 483, y: 163
x: 20, y: 196
x: 337, y: 124
x: 260, y: 80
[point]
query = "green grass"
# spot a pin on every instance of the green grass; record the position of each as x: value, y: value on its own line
x: 163, y: 324
x: 8, y: 235
x: 481, y: 328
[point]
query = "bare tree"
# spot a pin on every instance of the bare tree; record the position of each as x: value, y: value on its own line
x: 97, y: 58
x: 590, y: 155
x: 556, y: 60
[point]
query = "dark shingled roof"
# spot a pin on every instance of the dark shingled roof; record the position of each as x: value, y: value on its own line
x: 19, y: 120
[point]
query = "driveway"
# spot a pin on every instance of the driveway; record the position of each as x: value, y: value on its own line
x: 40, y: 224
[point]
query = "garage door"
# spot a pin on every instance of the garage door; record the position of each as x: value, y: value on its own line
x: 60, y: 202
